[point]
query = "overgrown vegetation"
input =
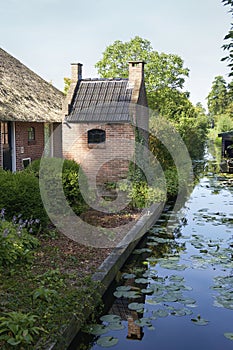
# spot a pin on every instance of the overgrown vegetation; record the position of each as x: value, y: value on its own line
x: 38, y: 280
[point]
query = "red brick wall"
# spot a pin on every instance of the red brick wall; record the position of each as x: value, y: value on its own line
x: 0, y: 145
x: 24, y: 148
x: 105, y: 162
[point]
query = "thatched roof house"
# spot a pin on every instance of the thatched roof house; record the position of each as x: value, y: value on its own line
x: 30, y: 112
x: 24, y: 96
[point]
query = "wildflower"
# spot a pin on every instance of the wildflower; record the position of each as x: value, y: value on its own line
x: 2, y: 214
x: 6, y: 232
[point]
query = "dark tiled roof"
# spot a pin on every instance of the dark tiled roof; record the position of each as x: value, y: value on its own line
x: 24, y: 96
x: 226, y: 133
x: 101, y: 100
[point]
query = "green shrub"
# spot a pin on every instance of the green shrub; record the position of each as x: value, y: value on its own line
x: 52, y: 170
x: 16, y: 243
x: 142, y: 195
x: 20, y: 194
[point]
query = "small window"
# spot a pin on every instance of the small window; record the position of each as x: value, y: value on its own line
x: 26, y: 162
x: 96, y: 136
x: 31, y: 134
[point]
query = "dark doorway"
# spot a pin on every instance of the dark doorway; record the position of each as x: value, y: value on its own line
x: 6, y: 145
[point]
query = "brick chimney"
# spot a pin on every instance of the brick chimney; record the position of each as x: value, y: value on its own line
x: 136, y: 72
x: 76, y: 72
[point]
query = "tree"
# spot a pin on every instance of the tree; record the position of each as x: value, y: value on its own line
x: 164, y: 73
x: 229, y: 39
x: 217, y: 98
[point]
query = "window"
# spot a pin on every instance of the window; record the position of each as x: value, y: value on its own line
x: 96, y: 136
x: 5, y: 133
x: 26, y: 162
x: 31, y: 134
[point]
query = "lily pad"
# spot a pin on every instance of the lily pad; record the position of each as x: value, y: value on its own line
x: 136, y: 306
x: 107, y: 342
x: 160, y: 313
x: 116, y: 326
x: 128, y: 275
x: 199, y: 321
x: 141, y: 280
x: 147, y: 290
x: 229, y: 336
x: 144, y: 321
x: 110, y: 318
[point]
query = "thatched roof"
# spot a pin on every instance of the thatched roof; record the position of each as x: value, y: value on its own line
x: 24, y: 96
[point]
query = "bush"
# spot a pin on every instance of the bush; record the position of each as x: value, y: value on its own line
x: 15, y: 242
x: 20, y: 194
x: 50, y: 170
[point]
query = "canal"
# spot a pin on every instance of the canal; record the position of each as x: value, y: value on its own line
x: 176, y: 290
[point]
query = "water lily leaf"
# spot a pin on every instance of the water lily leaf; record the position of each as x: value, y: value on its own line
x: 144, y: 321
x: 123, y: 288
x: 199, y: 321
x: 147, y: 290
x: 150, y: 273
x: 229, y: 335
x: 126, y: 294
x: 175, y: 278
x: 116, y: 326
x: 107, y: 342
x: 136, y: 306
x: 160, y: 313
x: 128, y: 275
x: 110, y: 318
x: 181, y: 312
x: 188, y: 301
x: 141, y: 280
x: 95, y: 329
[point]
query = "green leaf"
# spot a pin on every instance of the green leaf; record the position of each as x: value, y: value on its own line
x: 229, y: 336
x: 107, y: 342
x: 200, y: 321
x: 110, y: 318
x: 136, y: 306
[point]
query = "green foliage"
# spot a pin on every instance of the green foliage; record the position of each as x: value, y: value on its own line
x: 229, y: 40
x: 16, y: 243
x: 17, y: 328
x: 141, y: 194
x: 44, y: 294
x: 171, y: 103
x: 194, y: 134
x: 67, y: 82
x: 56, y: 172
x: 164, y: 73
x: 224, y: 123
x: 20, y: 194
x: 218, y: 96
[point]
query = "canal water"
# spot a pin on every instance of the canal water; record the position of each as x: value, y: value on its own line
x: 176, y: 291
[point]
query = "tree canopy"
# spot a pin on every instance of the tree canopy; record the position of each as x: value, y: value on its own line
x: 164, y: 73
x: 229, y: 40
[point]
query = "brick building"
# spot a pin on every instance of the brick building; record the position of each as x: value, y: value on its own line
x: 101, y: 118
x: 30, y: 109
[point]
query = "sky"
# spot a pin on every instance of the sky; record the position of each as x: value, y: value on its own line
x: 48, y: 35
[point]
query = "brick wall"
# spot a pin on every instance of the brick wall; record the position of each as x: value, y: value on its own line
x: 25, y: 148
x: 1, y: 145
x: 104, y: 162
